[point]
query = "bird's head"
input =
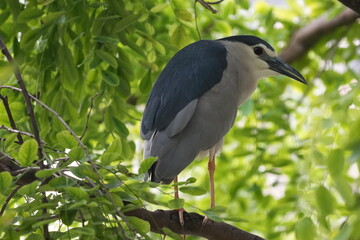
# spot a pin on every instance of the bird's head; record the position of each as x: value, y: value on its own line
x: 262, y: 58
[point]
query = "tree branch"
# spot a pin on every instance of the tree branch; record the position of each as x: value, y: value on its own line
x: 28, y: 104
x: 10, y: 116
x: 305, y: 38
x: 193, y: 225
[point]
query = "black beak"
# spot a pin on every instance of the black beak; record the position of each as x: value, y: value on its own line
x: 278, y: 65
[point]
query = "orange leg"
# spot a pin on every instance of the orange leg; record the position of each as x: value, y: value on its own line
x: 211, y: 168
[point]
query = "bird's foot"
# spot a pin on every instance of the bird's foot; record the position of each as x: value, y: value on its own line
x: 181, y: 217
x: 205, y: 220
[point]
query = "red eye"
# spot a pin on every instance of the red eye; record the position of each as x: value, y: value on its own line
x: 258, y: 50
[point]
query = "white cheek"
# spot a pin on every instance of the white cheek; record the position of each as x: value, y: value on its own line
x: 261, y: 70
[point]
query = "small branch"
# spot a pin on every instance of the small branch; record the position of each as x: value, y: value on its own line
x: 28, y: 104
x: 13, y: 192
x: 207, y: 5
x: 88, y: 115
x: 55, y: 114
x: 193, y: 225
x: 18, y: 132
x: 305, y: 38
x: 11, y: 119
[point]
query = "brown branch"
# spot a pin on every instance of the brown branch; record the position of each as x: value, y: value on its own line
x: 353, y: 4
x: 28, y: 104
x: 207, y: 5
x: 305, y: 38
x: 10, y: 116
x: 18, y: 132
x: 193, y: 225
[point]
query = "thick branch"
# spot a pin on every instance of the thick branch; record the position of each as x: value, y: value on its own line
x: 308, y: 36
x: 157, y: 219
x: 193, y: 225
x: 353, y: 4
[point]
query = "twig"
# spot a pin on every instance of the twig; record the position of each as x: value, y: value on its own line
x: 28, y: 104
x: 88, y: 115
x: 13, y: 192
x: 18, y: 132
x: 56, y: 115
x: 207, y: 5
x: 11, y: 119
x: 196, y: 21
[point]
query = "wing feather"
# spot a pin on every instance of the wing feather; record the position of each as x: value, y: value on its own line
x: 189, y: 74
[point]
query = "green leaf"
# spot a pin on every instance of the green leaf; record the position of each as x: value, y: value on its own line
x: 29, y: 189
x: 5, y: 182
x: 28, y: 152
x: 345, y: 191
x: 29, y: 14
x: 116, y: 199
x: 83, y: 171
x: 120, y: 128
x: 305, y: 229
x: 45, y: 173
x: 325, y: 200
x: 88, y: 231
x: 107, y: 58
x: 336, y: 162
x: 76, y: 153
x: 139, y: 224
x: 106, y: 39
x: 67, y: 216
x: 171, y: 234
x: 345, y: 232
x: 183, y: 14
x: 159, y: 7
x: 115, y: 147
x: 68, y: 69
x: 30, y: 37
x: 66, y: 140
x: 113, y: 153
x: 146, y: 164
x: 145, y: 83
x: 126, y: 22
x: 193, y: 190
x: 110, y: 78
x: 176, y: 203
x: 77, y: 193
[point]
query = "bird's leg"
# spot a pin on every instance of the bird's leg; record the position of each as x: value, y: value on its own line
x: 211, y: 168
x: 176, y: 196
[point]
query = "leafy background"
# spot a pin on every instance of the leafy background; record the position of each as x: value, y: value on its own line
x: 289, y: 167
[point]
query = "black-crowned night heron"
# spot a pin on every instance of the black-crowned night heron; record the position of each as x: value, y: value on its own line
x: 194, y: 102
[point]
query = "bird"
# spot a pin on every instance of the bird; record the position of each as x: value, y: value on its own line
x: 194, y: 101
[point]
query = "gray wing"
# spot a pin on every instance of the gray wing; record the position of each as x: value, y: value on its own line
x: 189, y: 74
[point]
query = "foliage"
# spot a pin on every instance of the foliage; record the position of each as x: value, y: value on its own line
x: 289, y: 168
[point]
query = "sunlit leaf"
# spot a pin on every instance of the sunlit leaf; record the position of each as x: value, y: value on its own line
x: 66, y: 140
x: 29, y: 14
x: 193, y: 190
x: 28, y: 152
x: 5, y: 181
x: 146, y: 164
x: 305, y: 229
